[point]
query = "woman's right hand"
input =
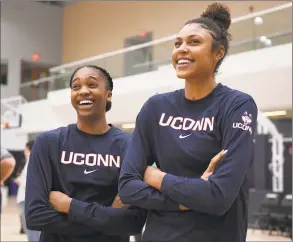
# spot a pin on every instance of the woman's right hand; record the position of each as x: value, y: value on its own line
x: 213, y: 163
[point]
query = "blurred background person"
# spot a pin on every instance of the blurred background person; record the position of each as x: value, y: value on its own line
x: 7, y: 167
x: 32, y: 235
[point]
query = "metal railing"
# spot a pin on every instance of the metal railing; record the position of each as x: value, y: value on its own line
x: 162, y: 40
x: 277, y: 26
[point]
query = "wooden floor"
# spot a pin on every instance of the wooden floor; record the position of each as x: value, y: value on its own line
x: 10, y: 226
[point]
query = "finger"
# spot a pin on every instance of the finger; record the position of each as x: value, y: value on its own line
x: 215, y: 160
x: 182, y: 208
x: 218, y: 156
x: 205, y: 176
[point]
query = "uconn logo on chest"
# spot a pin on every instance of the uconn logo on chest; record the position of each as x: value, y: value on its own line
x: 180, y: 123
x: 90, y: 159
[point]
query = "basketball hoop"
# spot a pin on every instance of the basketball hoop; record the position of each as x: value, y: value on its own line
x: 5, y: 125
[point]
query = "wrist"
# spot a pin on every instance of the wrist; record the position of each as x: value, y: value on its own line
x: 158, y: 179
x: 67, y: 204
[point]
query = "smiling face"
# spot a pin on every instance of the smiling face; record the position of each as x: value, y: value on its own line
x: 89, y: 93
x: 193, y: 55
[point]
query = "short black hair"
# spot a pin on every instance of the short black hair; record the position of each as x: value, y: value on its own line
x: 30, y: 144
x: 106, y: 76
x: 105, y: 73
x: 217, y: 19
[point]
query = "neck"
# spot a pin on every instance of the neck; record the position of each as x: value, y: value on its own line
x: 93, y: 126
x: 196, y: 89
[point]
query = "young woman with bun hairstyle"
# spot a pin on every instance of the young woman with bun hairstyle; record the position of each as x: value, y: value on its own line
x: 181, y: 131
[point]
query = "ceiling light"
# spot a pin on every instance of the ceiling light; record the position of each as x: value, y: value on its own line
x: 263, y: 39
x: 128, y: 126
x: 268, y: 42
x: 275, y: 113
x: 258, y: 21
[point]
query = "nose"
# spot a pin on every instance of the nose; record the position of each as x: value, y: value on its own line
x: 84, y: 90
x: 183, y: 48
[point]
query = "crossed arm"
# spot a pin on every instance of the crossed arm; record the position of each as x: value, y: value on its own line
x: 212, y: 196
x: 82, y: 218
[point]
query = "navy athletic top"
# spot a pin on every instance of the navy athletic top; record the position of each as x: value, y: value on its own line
x: 85, y: 167
x: 182, y: 136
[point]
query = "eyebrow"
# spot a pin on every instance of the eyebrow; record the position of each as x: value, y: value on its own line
x: 89, y: 77
x: 189, y: 36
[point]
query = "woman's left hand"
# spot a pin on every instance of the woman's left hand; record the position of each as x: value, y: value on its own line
x: 60, y: 201
x: 154, y: 177
x: 117, y: 203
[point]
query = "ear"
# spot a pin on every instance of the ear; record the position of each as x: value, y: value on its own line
x: 109, y: 97
x: 220, y: 53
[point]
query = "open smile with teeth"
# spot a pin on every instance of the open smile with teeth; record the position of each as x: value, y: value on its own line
x: 183, y: 62
x: 85, y: 102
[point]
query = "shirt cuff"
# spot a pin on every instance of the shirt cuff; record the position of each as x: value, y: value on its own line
x: 167, y: 184
x: 76, y: 210
x: 171, y: 204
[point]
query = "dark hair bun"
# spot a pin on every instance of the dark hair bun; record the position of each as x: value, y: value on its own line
x: 218, y: 13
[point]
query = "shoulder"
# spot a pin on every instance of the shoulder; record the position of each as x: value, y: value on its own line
x: 54, y: 134
x: 158, y: 100
x: 120, y: 138
x: 167, y: 96
x: 5, y: 154
x: 119, y: 135
x: 238, y: 96
x: 240, y: 104
x: 234, y: 98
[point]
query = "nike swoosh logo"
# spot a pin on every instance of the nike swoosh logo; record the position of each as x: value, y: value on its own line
x: 88, y: 172
x: 184, y: 136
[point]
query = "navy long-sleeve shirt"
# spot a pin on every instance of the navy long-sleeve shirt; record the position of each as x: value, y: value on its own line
x: 182, y: 136
x: 85, y: 167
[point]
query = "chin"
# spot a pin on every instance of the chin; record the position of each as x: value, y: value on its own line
x: 182, y: 75
x: 88, y: 115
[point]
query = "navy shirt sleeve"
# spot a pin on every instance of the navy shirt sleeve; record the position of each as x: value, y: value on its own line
x: 216, y: 195
x: 39, y: 214
x: 112, y: 221
x: 132, y: 189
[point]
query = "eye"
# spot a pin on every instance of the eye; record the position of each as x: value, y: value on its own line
x: 74, y: 87
x: 177, y: 44
x: 195, y: 41
x: 93, y: 85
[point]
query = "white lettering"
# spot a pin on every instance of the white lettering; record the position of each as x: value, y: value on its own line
x: 91, y: 162
x: 180, y: 119
x: 168, y: 121
x: 63, y: 157
x: 75, y: 160
x: 208, y: 122
x: 205, y: 124
x: 192, y: 122
x: 90, y: 159
x: 242, y: 126
x: 104, y: 161
x: 113, y: 161
x: 198, y: 125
